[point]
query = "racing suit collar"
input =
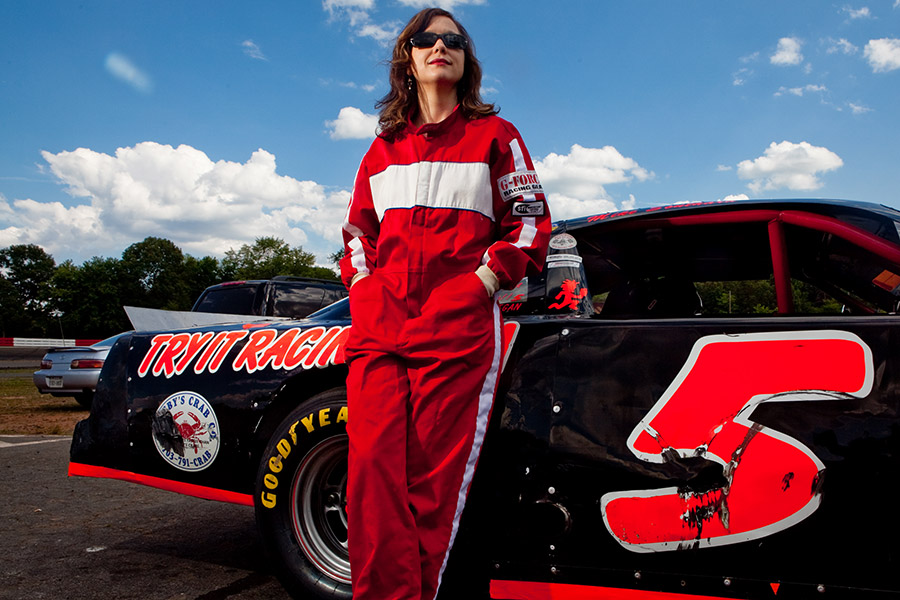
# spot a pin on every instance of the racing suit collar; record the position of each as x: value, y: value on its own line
x: 432, y: 129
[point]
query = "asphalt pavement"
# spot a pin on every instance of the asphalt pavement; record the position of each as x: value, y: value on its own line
x: 71, y: 537
x: 21, y: 358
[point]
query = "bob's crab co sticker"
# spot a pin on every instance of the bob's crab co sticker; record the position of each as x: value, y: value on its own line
x: 186, y: 431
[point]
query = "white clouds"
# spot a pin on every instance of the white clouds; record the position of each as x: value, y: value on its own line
x: 383, y: 33
x: 352, y: 85
x: 46, y: 223
x: 566, y: 207
x: 490, y: 85
x: 883, y: 54
x: 356, y: 14
x: 353, y: 124
x: 799, y: 91
x: 741, y: 76
x: 857, y: 13
x: 120, y: 66
x: 445, y: 4
x: 335, y: 5
x: 252, y: 50
x: 789, y: 166
x: 575, y: 181
x: 788, y: 52
x: 204, y: 207
x: 841, y: 45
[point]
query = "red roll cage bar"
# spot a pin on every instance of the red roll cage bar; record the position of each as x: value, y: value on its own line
x: 776, y: 219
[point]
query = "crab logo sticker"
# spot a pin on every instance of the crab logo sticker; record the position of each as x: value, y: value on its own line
x: 186, y: 431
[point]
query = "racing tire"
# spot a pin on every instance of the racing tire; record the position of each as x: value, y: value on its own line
x: 85, y: 399
x: 300, y: 499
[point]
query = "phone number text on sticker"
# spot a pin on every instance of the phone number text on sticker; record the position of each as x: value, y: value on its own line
x: 186, y: 431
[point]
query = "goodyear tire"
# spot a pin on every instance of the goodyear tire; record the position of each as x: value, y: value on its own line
x: 300, y: 496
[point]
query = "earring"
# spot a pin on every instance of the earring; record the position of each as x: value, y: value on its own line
x: 409, y: 82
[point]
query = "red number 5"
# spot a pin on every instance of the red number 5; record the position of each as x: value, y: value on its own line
x: 772, y: 481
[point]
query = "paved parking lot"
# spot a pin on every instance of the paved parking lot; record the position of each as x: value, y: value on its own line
x: 74, y: 537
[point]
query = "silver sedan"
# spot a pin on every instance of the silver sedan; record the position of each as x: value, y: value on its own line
x: 73, y: 371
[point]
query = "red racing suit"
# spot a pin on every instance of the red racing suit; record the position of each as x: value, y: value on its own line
x: 424, y: 352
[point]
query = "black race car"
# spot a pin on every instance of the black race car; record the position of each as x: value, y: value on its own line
x: 698, y: 399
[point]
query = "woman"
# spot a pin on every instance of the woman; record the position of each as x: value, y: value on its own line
x: 446, y: 209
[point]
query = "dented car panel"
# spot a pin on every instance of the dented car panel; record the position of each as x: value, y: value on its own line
x: 674, y: 456
x: 644, y: 436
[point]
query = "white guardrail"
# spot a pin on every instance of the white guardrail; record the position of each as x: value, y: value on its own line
x: 37, y: 342
x: 18, y: 342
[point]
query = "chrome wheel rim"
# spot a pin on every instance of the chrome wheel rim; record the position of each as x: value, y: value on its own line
x: 318, y: 501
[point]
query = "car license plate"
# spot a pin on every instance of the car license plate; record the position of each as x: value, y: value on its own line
x: 54, y: 382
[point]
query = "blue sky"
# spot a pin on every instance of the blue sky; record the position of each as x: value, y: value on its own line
x: 212, y: 123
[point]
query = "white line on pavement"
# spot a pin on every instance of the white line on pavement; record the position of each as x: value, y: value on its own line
x: 13, y: 444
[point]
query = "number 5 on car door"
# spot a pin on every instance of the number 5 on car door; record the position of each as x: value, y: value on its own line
x: 772, y: 481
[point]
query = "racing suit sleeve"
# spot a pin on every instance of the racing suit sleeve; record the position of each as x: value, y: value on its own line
x: 361, y: 228
x: 522, y: 217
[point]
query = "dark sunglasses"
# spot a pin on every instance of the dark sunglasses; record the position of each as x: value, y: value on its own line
x: 427, y: 39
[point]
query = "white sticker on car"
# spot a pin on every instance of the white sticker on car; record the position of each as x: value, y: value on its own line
x: 186, y: 431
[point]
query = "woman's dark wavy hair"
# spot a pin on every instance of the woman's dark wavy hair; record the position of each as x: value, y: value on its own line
x: 397, y: 105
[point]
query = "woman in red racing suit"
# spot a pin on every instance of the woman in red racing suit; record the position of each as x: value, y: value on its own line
x: 446, y: 209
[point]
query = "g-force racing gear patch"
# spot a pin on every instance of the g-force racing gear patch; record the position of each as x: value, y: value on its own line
x: 518, y: 184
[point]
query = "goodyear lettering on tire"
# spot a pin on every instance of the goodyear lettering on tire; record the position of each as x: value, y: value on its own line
x: 314, y: 421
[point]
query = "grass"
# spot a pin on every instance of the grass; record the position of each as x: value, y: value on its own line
x: 25, y: 411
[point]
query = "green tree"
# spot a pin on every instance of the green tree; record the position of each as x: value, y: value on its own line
x: 26, y: 270
x: 89, y: 298
x: 39, y: 299
x: 808, y: 299
x: 335, y: 258
x: 200, y: 273
x: 10, y: 307
x: 751, y: 297
x: 757, y: 297
x: 268, y: 257
x: 154, y: 275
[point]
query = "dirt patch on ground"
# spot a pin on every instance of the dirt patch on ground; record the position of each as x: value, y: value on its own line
x: 25, y: 411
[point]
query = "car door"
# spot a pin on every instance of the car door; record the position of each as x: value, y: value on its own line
x: 685, y: 435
